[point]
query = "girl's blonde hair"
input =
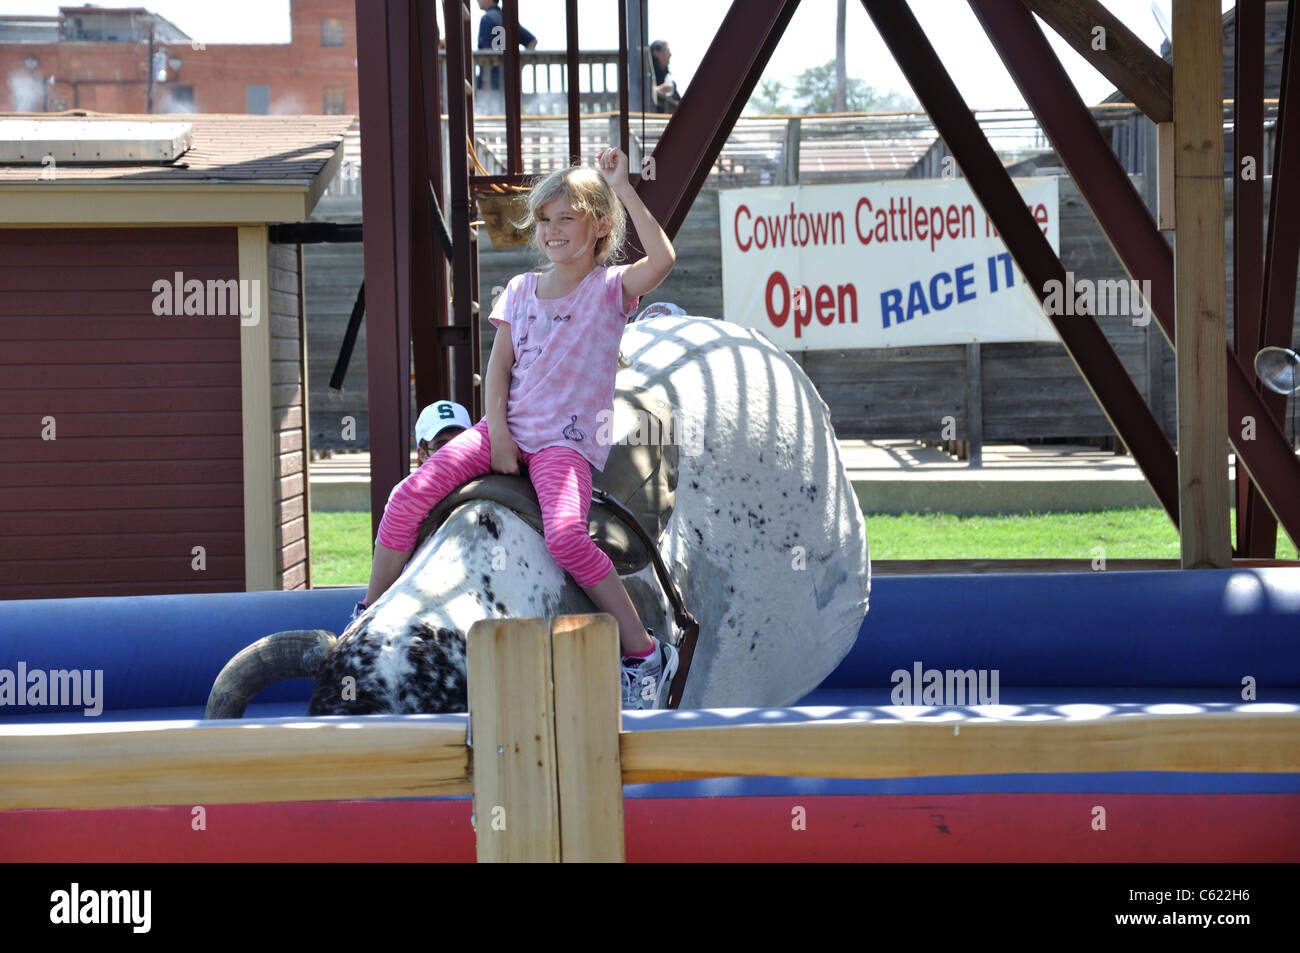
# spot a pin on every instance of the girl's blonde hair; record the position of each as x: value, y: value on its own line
x: 586, y: 190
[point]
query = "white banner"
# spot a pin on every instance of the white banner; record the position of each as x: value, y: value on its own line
x: 878, y: 264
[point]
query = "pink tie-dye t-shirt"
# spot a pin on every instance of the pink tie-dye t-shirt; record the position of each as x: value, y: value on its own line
x: 566, y: 356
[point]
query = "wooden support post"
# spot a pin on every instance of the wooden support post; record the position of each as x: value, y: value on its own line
x: 1165, y: 213
x: 1119, y: 56
x: 790, y: 152
x: 587, y: 723
x: 544, y: 732
x: 512, y: 732
x: 974, y: 405
x: 1154, y: 343
x: 1199, y: 286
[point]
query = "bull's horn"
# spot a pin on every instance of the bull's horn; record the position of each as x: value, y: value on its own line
x: 298, y: 653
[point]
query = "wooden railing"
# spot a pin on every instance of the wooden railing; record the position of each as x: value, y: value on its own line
x: 545, y: 80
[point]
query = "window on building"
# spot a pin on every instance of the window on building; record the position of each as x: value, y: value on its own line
x: 334, y: 97
x: 331, y: 32
x: 182, y: 99
x: 257, y: 100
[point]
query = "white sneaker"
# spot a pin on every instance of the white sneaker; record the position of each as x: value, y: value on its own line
x: 652, y: 677
x: 631, y: 700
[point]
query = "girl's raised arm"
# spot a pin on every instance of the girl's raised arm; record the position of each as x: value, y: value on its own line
x: 647, y: 274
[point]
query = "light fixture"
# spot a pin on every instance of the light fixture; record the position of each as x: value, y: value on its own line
x: 1278, y: 369
x: 160, y: 66
x: 175, y: 64
x: 31, y: 62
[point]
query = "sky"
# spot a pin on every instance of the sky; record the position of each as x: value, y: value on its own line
x: 689, y: 25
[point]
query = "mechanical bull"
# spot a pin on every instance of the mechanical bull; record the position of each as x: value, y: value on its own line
x: 765, y: 541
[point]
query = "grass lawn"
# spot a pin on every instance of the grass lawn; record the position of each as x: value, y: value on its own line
x: 1123, y: 534
x: 340, y: 548
x: 341, y: 543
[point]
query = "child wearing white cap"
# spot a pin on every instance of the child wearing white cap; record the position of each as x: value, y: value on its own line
x: 438, y: 424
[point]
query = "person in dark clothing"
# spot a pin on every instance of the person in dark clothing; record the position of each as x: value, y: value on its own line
x: 666, y: 96
x: 488, y: 28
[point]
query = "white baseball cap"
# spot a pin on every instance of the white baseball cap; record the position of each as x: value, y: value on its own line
x: 438, y: 416
x: 660, y: 309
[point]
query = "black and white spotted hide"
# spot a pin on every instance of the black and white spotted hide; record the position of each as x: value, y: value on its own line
x: 406, y: 654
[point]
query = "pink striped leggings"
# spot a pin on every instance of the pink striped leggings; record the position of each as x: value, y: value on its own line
x: 560, y: 475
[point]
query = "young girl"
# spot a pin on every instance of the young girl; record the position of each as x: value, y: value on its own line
x: 550, y: 377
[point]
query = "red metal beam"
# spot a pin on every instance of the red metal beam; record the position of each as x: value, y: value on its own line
x: 1277, y: 311
x: 1119, y: 209
x: 460, y: 204
x: 428, y: 283
x: 571, y: 80
x: 466, y: 361
x: 1248, y: 219
x: 1084, y: 340
x: 718, y: 92
x: 1133, y: 234
x: 623, y: 132
x: 512, y: 87
x: 383, y: 79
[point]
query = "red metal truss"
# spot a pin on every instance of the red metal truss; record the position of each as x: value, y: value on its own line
x: 571, y: 80
x: 1248, y: 221
x: 384, y: 82
x: 1277, y: 310
x: 718, y: 92
x: 512, y: 87
x: 1132, y: 232
x: 429, y: 277
x: 462, y: 331
x: 1101, y: 368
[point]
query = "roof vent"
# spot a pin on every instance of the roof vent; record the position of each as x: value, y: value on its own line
x: 93, y: 142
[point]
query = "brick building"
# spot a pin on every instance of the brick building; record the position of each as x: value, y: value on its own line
x: 129, y: 60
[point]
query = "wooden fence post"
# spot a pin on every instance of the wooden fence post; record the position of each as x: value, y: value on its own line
x: 544, y: 708
x: 588, y: 717
x: 512, y: 733
x: 974, y: 405
x: 790, y: 152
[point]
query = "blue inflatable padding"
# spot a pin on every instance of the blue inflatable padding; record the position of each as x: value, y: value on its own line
x: 1121, y: 629
x: 162, y: 651
x: 1099, y: 638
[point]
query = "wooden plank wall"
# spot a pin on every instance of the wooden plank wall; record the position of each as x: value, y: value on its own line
x: 141, y: 461
x: 334, y: 273
x: 1274, y: 40
x: 1030, y: 390
x: 288, y: 419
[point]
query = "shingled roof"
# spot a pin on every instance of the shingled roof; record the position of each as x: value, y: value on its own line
x: 226, y: 148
